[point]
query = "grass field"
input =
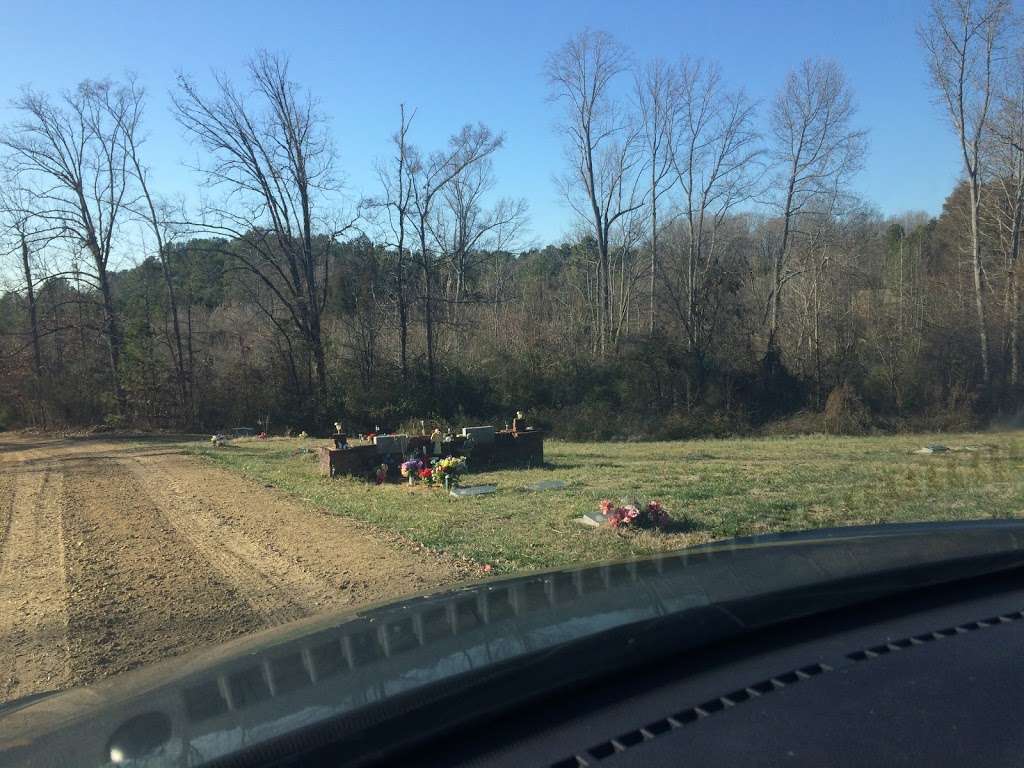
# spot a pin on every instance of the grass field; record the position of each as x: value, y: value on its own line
x: 714, y: 489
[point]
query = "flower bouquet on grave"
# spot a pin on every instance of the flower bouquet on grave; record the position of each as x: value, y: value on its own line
x: 634, y: 515
x: 446, y: 471
x: 411, y: 469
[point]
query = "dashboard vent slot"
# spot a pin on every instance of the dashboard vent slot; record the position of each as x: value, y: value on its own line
x: 606, y: 749
x: 939, y: 634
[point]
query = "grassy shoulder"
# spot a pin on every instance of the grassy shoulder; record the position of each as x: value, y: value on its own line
x: 714, y: 489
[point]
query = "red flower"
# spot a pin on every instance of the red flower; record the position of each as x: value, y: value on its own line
x: 425, y: 473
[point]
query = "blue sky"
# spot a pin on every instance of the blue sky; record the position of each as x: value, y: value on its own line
x: 469, y: 61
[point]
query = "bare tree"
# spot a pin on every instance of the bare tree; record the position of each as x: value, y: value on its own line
x: 126, y: 106
x: 72, y: 154
x: 430, y: 177
x: 275, y: 165
x: 24, y: 234
x: 656, y: 101
x: 816, y: 151
x: 396, y: 179
x: 602, y: 147
x: 963, y: 42
x: 715, y: 157
x: 464, y: 227
x: 1006, y: 212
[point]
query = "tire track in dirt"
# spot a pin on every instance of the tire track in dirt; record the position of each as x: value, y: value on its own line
x: 323, y: 561
x: 122, y: 552
x: 33, y: 589
x: 140, y: 592
x: 6, y: 505
x: 269, y: 583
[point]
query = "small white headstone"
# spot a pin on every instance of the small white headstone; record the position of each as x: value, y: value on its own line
x: 473, y: 490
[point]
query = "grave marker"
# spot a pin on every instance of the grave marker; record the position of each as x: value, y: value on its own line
x: 473, y: 490
x: 546, y: 485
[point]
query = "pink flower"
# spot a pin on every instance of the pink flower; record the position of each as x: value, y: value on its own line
x: 606, y: 506
x: 487, y: 568
x: 630, y: 512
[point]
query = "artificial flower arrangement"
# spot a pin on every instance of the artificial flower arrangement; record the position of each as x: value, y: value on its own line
x: 411, y: 469
x: 446, y: 471
x: 635, y: 515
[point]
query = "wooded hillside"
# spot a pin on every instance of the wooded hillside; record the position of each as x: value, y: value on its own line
x: 721, y: 277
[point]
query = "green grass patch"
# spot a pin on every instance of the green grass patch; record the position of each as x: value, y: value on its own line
x: 714, y: 489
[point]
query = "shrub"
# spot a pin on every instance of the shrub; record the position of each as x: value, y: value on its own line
x: 845, y: 412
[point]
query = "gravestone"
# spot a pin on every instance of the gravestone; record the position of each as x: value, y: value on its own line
x: 480, y: 435
x: 391, y: 444
x: 473, y: 490
x: 358, y: 460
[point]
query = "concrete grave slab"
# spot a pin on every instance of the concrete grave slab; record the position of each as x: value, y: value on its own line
x: 473, y: 490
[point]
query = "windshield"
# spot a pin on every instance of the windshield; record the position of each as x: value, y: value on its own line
x: 296, y: 321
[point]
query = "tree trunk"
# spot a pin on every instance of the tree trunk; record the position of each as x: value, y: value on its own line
x: 428, y: 314
x: 979, y: 299
x: 320, y: 367
x: 33, y: 317
x: 779, y: 265
x: 1014, y: 328
x: 114, y: 342
x: 191, y: 355
x: 654, y: 241
x: 403, y: 310
x: 184, y: 387
x: 403, y: 333
x: 1013, y: 321
x: 605, y: 296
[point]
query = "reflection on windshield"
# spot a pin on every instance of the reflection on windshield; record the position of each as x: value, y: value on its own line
x: 432, y: 651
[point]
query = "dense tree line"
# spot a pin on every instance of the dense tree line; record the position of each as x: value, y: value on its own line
x: 721, y: 276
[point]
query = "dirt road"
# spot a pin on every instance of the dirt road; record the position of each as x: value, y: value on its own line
x: 114, y: 553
